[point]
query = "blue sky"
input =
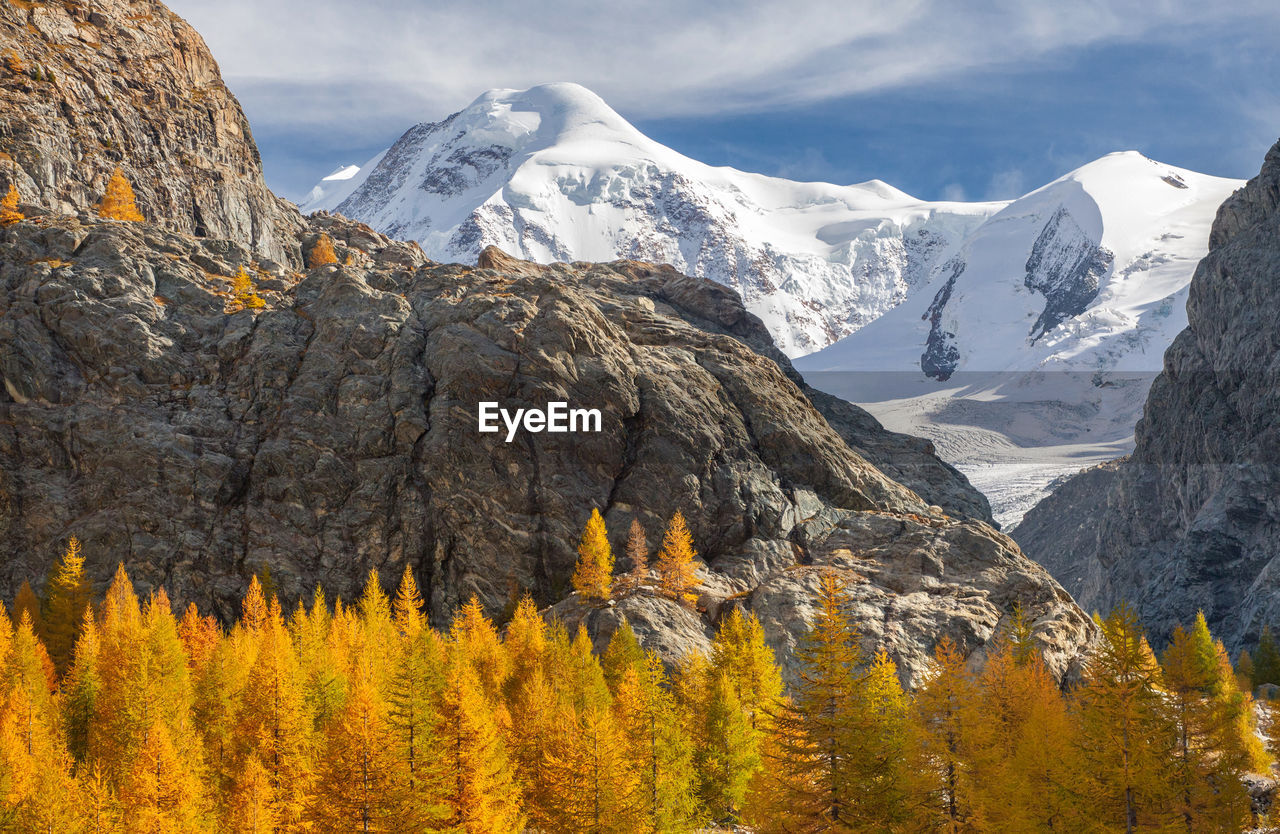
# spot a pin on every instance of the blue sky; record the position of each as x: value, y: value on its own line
x: 981, y: 102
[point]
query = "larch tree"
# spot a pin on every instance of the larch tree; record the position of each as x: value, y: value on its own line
x: 244, y: 293
x: 594, y: 788
x: 159, y: 793
x: 1126, y: 740
x: 1266, y: 661
x: 623, y: 652
x: 68, y: 595
x: 637, y: 553
x: 474, y: 639
x: 9, y: 213
x: 80, y: 689
x: 119, y: 203
x: 950, y: 718
x: 356, y: 787
x: 659, y: 751
x: 480, y: 791
x: 677, y: 561
x: 27, y: 601
x: 322, y: 252
x: 593, y: 575
x: 739, y: 652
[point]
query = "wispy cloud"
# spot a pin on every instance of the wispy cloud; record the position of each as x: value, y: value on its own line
x: 660, y: 58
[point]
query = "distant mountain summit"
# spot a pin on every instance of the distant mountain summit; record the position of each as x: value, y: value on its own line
x: 552, y: 173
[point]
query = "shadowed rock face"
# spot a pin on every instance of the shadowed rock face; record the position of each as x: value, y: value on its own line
x: 86, y: 87
x: 1191, y: 520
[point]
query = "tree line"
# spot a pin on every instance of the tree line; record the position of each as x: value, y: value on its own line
x: 118, y: 715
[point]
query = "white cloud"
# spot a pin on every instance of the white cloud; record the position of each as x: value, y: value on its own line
x: 414, y: 60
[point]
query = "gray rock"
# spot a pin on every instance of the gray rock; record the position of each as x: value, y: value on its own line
x: 1191, y: 520
x: 128, y: 83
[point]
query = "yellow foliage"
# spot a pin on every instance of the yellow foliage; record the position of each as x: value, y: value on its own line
x: 118, y: 203
x: 593, y: 577
x: 244, y: 293
x: 677, y: 561
x: 322, y: 252
x: 9, y: 213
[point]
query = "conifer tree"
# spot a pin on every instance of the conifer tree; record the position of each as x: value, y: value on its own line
x: 726, y: 753
x: 273, y: 730
x: 253, y: 608
x: 27, y: 601
x: 9, y: 213
x: 951, y: 721
x: 80, y: 688
x: 593, y: 576
x: 637, y: 552
x: 659, y: 751
x: 244, y: 295
x: 538, y: 725
x: 253, y: 808
x: 622, y: 653
x: 525, y: 644
x: 1266, y: 661
x: 1125, y: 737
x: 159, y: 793
x: 595, y: 788
x: 474, y: 639
x: 322, y: 252
x: 740, y: 653
x: 321, y: 651
x: 356, y: 788
x: 68, y: 596
x: 677, y: 561
x: 1245, y: 674
x: 479, y: 790
x: 118, y: 203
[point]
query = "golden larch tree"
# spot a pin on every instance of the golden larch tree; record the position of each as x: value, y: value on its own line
x: 637, y: 552
x: 593, y: 576
x: 677, y: 561
x: 244, y: 293
x: 322, y: 252
x: 68, y: 595
x: 9, y: 213
x: 118, y: 203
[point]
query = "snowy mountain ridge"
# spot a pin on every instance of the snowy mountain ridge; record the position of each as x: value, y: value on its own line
x: 553, y: 174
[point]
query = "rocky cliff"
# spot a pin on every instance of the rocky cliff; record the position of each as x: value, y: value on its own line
x: 89, y: 86
x: 1191, y: 519
x: 335, y: 428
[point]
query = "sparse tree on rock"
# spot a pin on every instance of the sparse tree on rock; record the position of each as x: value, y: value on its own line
x: 9, y: 213
x: 593, y: 577
x: 322, y: 252
x: 677, y: 561
x: 119, y: 203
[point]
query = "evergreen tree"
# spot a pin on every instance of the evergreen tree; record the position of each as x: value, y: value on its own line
x: 677, y: 561
x: 68, y: 596
x: 118, y: 203
x: 9, y: 213
x: 80, y: 688
x: 593, y: 576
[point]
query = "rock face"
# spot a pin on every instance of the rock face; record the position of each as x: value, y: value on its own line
x: 337, y: 430
x: 86, y: 87
x: 1191, y: 519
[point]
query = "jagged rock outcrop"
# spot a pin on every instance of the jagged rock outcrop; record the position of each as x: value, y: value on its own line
x: 86, y: 87
x: 337, y: 430
x: 1191, y: 520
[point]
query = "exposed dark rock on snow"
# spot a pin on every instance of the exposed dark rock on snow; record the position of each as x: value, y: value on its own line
x: 1192, y: 520
x: 1066, y: 267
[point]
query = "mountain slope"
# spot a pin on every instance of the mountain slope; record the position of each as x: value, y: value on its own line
x: 1029, y: 353
x: 553, y: 174
x: 1190, y: 519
